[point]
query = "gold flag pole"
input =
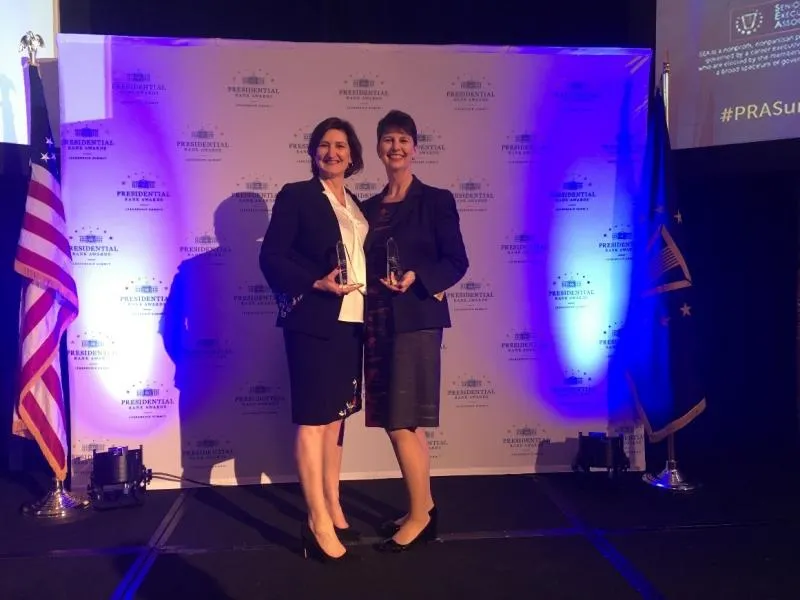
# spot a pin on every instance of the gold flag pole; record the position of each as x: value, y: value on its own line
x: 670, y: 478
x: 57, y: 505
x: 665, y: 75
x: 30, y: 44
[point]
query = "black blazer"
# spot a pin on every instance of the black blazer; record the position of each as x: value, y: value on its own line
x: 428, y: 235
x: 299, y: 248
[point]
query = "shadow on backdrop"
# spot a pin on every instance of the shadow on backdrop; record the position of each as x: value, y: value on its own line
x: 218, y: 329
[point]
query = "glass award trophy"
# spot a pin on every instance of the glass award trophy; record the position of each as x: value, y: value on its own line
x: 394, y: 272
x: 341, y: 262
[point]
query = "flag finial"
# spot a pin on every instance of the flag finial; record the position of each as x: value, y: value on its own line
x: 30, y: 43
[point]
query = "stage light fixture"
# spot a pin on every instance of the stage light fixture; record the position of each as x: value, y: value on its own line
x: 119, y: 478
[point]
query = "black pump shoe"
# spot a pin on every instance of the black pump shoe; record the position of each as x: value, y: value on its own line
x: 428, y: 534
x: 389, y: 528
x: 347, y: 534
x: 312, y: 549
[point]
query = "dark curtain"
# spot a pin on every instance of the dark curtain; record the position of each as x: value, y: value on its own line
x: 13, y: 188
x: 743, y: 224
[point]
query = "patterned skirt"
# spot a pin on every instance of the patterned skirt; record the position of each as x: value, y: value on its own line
x: 325, y: 374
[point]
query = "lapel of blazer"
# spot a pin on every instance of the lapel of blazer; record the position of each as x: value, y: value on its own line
x: 317, y: 195
x: 407, y: 207
x: 410, y: 204
x: 370, y: 210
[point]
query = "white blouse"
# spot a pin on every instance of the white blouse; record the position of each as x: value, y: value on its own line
x: 353, y: 228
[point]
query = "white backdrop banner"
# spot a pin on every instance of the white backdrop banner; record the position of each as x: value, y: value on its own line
x: 173, y: 151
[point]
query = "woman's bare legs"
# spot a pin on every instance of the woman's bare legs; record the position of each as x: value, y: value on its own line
x: 423, y: 441
x: 411, y: 450
x: 310, y: 455
x: 332, y: 468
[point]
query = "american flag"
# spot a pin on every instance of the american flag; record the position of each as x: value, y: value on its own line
x: 49, y: 295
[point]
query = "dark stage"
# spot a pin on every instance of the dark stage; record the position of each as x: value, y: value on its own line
x: 544, y: 536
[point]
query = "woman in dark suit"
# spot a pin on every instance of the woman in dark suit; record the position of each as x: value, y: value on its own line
x: 322, y: 316
x: 419, y: 226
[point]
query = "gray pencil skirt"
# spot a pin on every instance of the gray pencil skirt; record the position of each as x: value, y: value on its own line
x: 410, y: 397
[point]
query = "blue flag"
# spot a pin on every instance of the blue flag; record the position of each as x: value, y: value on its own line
x: 663, y: 370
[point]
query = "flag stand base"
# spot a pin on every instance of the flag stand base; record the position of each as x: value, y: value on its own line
x: 57, y: 506
x: 670, y: 478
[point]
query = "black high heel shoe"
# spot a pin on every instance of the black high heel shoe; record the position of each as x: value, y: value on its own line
x: 428, y: 534
x: 389, y: 528
x: 347, y: 534
x: 312, y: 549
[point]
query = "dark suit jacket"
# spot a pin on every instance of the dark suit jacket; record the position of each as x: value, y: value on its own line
x: 298, y: 249
x: 428, y: 235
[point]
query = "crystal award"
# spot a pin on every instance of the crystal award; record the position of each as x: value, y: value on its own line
x: 341, y: 262
x: 394, y: 272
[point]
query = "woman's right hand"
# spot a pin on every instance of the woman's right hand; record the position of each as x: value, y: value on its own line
x: 329, y: 284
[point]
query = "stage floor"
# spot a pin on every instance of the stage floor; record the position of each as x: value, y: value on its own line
x: 545, y: 536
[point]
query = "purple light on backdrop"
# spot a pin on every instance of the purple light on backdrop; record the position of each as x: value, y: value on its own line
x: 592, y: 122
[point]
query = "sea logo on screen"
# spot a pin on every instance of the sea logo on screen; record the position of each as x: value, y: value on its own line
x: 298, y: 145
x: 469, y: 93
x: 524, y: 440
x: 470, y: 392
x: 254, y: 88
x: 430, y: 147
x: 437, y: 442
x: 523, y: 147
x: 206, y: 451
x: 143, y: 193
x: 92, y: 247
x: 577, y: 96
x: 85, y: 141
x: 617, y: 243
x: 202, y: 144
x: 364, y: 91
x: 471, y: 295
x: 255, y: 195
x: 574, y: 195
x: 523, y: 247
x: 748, y: 23
x: 632, y: 439
x: 610, y: 336
x: 571, y: 290
x: 137, y: 87
x: 576, y: 383
x: 91, y: 351
x: 522, y: 345
x: 472, y: 195
x: 260, y: 398
x: 787, y: 17
x: 148, y: 400
x: 365, y: 188
x: 255, y: 298
x: 144, y: 296
x: 204, y: 243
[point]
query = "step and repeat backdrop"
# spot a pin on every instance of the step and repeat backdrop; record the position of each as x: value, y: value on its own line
x: 173, y: 152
